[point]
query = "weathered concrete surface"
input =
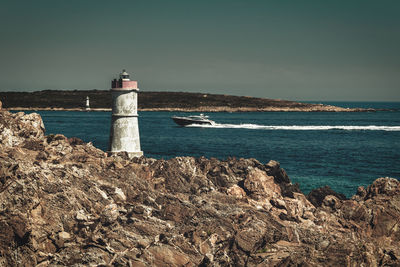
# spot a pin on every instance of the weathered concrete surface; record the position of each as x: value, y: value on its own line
x: 124, y: 135
x: 63, y: 202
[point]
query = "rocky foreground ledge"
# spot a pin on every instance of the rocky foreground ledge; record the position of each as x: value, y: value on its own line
x: 64, y: 202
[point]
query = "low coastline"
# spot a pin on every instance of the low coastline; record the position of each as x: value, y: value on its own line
x: 100, y: 100
x: 321, y: 108
x: 55, y: 109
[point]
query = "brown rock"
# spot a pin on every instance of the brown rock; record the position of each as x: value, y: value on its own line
x: 384, y: 186
x: 168, y: 256
x: 274, y: 169
x: 110, y: 214
x: 259, y: 184
x: 21, y: 228
x: 17, y: 128
x: 317, y: 196
x: 64, y: 236
x: 251, y: 237
x: 331, y: 202
x: 64, y: 203
x: 236, y: 191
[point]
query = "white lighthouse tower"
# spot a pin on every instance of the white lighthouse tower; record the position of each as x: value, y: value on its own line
x: 87, y: 106
x: 124, y: 132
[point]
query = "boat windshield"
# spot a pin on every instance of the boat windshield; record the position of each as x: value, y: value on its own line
x: 201, y: 116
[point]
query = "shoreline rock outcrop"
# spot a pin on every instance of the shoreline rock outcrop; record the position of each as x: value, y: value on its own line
x: 64, y: 202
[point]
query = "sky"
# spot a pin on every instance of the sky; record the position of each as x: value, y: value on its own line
x: 331, y: 50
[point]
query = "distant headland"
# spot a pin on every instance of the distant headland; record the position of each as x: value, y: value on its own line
x: 100, y: 100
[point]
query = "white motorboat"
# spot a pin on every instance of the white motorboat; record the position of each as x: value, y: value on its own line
x: 194, y: 119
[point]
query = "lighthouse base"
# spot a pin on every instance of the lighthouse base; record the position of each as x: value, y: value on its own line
x: 124, y: 136
x: 131, y: 155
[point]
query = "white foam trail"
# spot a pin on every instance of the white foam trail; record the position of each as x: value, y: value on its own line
x: 301, y: 127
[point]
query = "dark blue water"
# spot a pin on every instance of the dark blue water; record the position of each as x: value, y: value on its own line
x: 342, y: 150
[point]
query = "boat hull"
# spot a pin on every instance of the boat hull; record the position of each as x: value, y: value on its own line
x: 185, y: 122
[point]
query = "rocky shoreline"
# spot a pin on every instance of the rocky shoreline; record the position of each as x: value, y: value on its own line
x: 64, y: 202
x: 100, y: 100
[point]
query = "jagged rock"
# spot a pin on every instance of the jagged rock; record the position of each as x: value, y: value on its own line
x: 383, y: 186
x: 331, y: 202
x: 251, y: 237
x: 281, y: 178
x: 110, y: 214
x: 17, y: 128
x: 317, y: 196
x: 259, y: 185
x: 64, y: 236
x: 273, y: 169
x: 119, y: 194
x: 65, y: 203
x: 361, y: 193
x: 236, y: 191
x: 81, y: 216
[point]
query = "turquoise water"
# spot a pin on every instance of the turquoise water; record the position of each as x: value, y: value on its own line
x: 342, y: 150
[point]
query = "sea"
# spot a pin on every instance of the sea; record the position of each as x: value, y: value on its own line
x: 343, y: 150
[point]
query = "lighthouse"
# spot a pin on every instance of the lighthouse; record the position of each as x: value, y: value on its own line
x: 87, y: 106
x: 124, y: 131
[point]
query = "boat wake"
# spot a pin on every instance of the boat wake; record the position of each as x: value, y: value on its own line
x: 300, y: 127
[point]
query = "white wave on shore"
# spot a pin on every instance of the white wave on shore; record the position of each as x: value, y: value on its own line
x: 301, y: 127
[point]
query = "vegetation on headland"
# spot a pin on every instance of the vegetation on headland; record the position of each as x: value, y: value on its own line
x: 156, y: 101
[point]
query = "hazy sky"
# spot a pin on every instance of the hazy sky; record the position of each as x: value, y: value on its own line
x: 298, y: 50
